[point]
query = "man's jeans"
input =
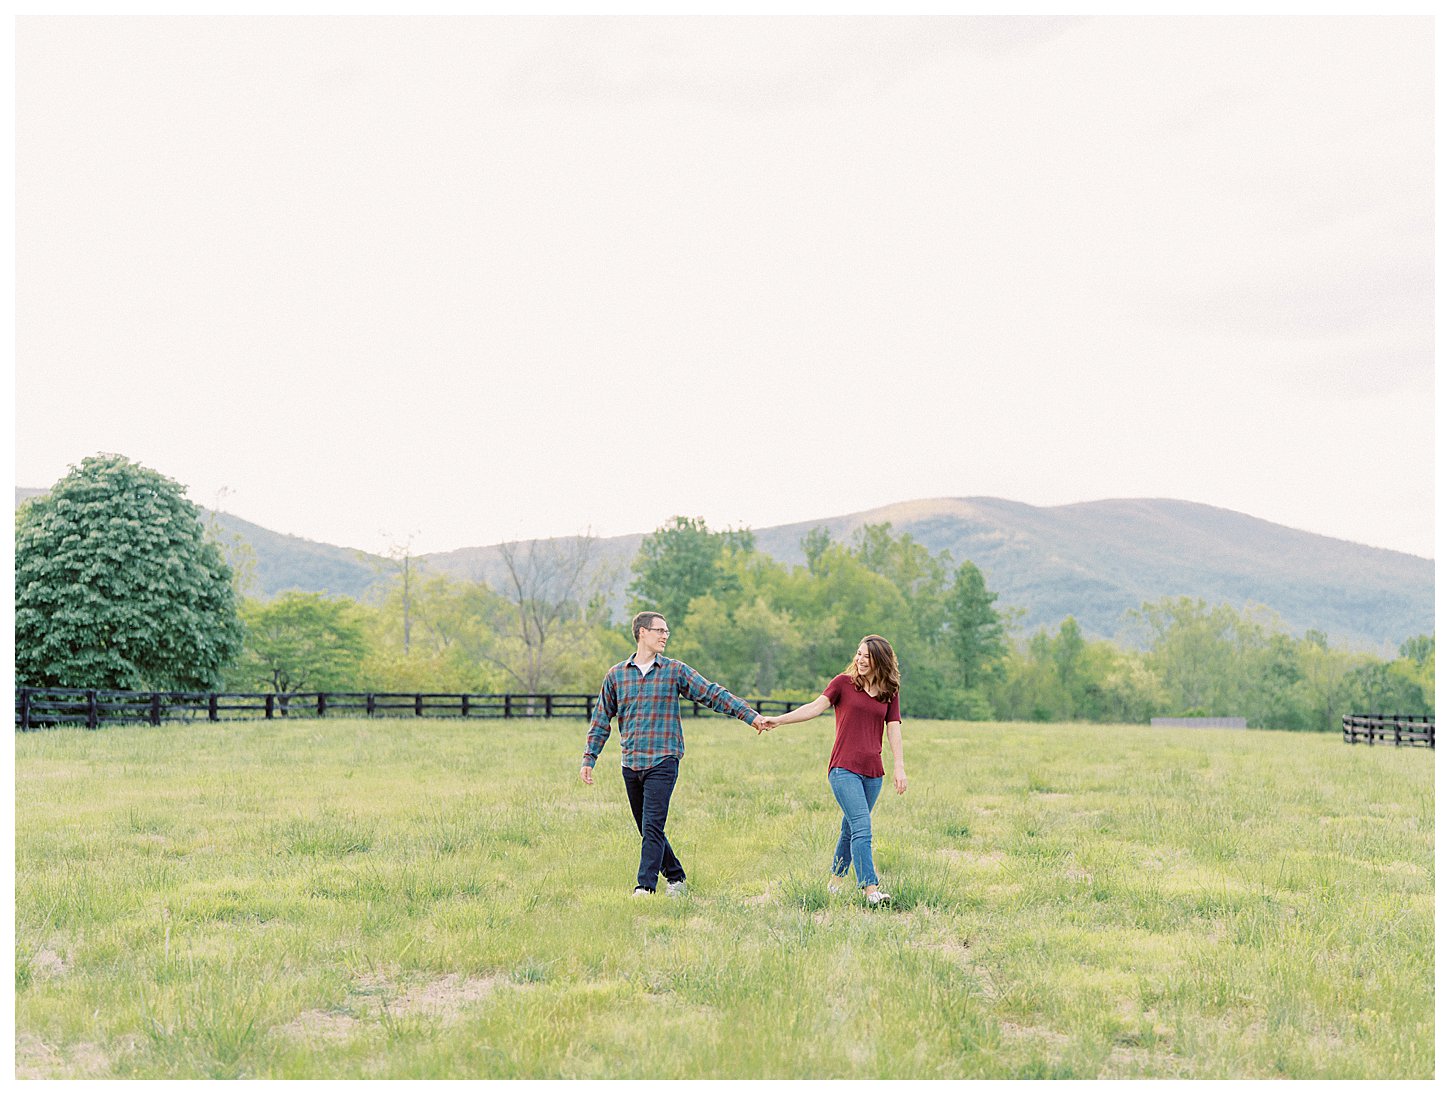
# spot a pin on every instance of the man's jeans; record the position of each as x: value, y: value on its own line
x: 856, y: 794
x: 649, y: 791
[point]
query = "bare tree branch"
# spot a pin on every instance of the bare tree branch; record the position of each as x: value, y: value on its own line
x: 548, y: 582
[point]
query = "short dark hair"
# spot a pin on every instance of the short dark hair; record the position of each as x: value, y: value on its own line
x: 643, y: 620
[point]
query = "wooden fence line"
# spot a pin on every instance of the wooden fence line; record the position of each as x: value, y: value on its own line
x: 1390, y: 729
x: 94, y: 707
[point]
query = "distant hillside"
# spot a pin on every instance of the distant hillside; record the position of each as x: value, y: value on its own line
x: 288, y: 562
x: 1096, y: 560
x: 1093, y: 560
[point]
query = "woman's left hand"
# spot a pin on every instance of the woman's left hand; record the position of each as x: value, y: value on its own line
x: 901, y: 781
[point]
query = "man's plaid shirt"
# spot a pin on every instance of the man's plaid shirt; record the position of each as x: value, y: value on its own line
x: 648, y: 707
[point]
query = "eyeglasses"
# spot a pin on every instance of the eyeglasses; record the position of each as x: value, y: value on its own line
x: 662, y: 630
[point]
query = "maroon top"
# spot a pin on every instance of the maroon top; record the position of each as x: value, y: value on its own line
x: 860, y: 723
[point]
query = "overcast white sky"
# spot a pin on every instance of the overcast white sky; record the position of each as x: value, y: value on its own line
x: 491, y: 278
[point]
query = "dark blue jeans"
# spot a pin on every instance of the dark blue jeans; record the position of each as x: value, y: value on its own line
x: 649, y: 791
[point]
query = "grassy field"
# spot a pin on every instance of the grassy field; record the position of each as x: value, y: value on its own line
x: 438, y: 899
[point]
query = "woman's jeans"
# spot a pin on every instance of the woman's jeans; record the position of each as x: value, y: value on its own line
x: 649, y: 791
x: 856, y: 794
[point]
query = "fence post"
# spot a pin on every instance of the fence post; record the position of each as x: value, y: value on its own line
x: 321, y: 704
x: 271, y: 702
x: 155, y: 708
x: 508, y: 705
x: 211, y: 715
x: 25, y: 709
x: 463, y: 702
x: 418, y: 704
x: 92, y: 718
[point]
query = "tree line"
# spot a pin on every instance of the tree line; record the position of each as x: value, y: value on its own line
x: 119, y: 585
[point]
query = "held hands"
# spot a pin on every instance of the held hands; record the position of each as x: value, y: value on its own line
x: 764, y: 723
x: 900, y: 780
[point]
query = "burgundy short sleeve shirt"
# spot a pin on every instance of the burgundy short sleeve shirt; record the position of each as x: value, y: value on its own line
x: 860, y: 725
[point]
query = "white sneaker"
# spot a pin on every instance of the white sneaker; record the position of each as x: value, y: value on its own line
x: 880, y: 897
x: 640, y: 891
x: 834, y: 885
x: 675, y: 889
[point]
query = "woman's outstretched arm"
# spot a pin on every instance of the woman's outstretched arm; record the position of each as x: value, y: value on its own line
x: 801, y: 714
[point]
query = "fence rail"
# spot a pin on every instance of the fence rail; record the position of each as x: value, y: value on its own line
x: 36, y: 708
x: 1390, y: 729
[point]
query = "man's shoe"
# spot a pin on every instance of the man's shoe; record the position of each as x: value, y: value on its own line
x: 880, y: 897
x: 675, y: 889
x: 640, y: 891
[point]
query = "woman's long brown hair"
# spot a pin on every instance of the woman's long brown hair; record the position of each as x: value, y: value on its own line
x: 884, y: 676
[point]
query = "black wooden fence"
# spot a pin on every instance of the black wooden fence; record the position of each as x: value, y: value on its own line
x: 36, y: 708
x: 1390, y: 729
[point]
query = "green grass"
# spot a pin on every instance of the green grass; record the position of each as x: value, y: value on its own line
x: 439, y: 899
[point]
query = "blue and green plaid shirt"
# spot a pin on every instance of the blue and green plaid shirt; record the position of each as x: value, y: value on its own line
x: 648, y: 708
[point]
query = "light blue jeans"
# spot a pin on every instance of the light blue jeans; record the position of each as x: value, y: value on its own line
x: 856, y: 794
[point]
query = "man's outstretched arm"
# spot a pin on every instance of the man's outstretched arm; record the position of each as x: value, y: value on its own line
x: 696, y: 687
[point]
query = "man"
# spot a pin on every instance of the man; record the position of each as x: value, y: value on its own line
x: 644, y: 692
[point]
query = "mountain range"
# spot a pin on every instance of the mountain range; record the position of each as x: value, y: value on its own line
x: 1089, y: 560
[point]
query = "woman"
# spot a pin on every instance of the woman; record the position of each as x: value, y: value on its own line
x: 867, y: 699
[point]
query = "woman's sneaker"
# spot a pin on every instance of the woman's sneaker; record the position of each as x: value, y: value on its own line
x: 880, y: 897
x: 834, y: 885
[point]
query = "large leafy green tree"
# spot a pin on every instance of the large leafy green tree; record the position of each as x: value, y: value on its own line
x: 754, y: 650
x: 683, y: 560
x: 977, y: 638
x: 1327, y: 683
x: 1377, y: 688
x: 814, y: 543
x: 921, y: 577
x: 1048, y: 679
x: 930, y: 676
x: 301, y: 641
x: 118, y: 586
x: 1029, y: 687
x: 840, y: 603
x: 1416, y: 664
x: 1203, y: 654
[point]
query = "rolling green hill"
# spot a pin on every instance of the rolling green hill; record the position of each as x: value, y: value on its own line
x: 1092, y: 560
